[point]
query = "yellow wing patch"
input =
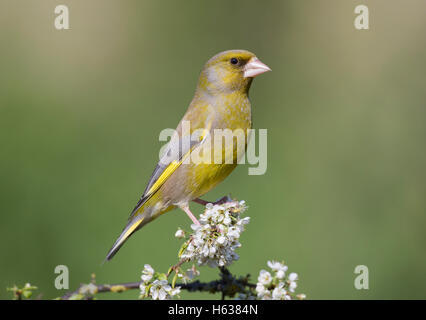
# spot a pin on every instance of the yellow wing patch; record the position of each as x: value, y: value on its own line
x: 172, y: 168
x: 164, y: 176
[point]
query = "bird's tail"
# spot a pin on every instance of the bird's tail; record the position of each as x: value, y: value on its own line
x: 135, y: 222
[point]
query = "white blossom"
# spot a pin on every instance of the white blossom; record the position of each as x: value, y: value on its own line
x: 221, y: 240
x: 264, y: 278
x: 174, y: 291
x: 180, y: 234
x: 292, y: 276
x: 277, y: 287
x: 279, y: 268
x: 161, y: 290
x: 262, y: 291
x: 279, y: 293
x: 147, y: 273
x: 215, y: 240
x: 265, y: 295
x: 301, y: 296
x: 142, y: 288
x: 292, y: 286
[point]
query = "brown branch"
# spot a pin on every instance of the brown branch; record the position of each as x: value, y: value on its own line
x: 176, y: 267
x: 228, y: 285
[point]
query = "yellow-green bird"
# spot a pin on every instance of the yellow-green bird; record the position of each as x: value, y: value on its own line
x: 220, y: 102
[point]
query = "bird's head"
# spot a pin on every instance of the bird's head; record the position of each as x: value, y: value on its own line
x: 230, y: 71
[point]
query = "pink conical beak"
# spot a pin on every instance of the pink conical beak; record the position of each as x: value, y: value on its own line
x: 254, y: 67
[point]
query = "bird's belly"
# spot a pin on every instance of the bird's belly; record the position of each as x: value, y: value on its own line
x: 191, y: 181
x: 206, y: 176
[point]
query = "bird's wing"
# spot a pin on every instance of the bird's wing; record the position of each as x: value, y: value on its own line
x: 174, y: 155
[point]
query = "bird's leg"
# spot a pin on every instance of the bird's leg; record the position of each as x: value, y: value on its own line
x: 220, y: 201
x: 190, y: 215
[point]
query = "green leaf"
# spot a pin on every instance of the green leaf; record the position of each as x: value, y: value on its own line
x: 162, y: 276
x: 182, y: 249
x: 174, y: 280
x: 27, y: 294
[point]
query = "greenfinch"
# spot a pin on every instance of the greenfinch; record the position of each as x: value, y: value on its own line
x: 220, y: 102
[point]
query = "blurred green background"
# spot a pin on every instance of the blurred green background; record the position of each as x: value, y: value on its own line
x: 81, y: 110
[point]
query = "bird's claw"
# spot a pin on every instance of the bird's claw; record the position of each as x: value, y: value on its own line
x: 222, y: 200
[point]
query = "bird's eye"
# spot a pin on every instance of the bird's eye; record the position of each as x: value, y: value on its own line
x: 234, y: 60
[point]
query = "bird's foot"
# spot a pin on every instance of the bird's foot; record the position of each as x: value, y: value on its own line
x: 224, y: 199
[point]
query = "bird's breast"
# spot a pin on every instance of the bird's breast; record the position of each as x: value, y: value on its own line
x: 233, y: 111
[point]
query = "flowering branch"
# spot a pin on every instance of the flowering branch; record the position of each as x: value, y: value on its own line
x: 211, y: 243
x: 223, y: 286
